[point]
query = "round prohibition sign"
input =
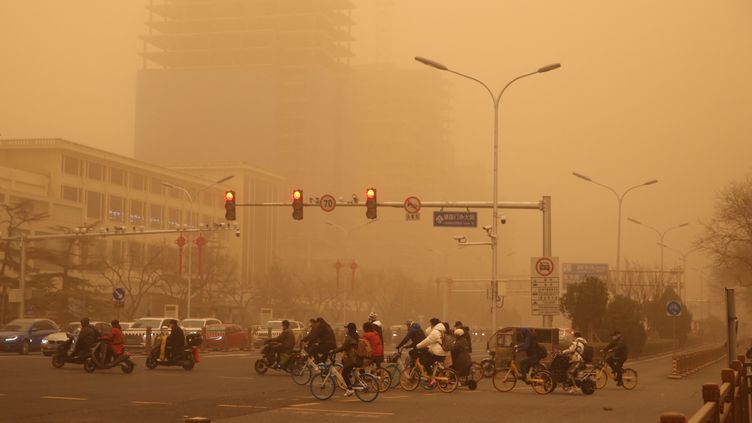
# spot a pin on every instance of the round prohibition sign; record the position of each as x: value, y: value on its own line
x: 327, y: 203
x: 544, y: 266
x: 412, y: 204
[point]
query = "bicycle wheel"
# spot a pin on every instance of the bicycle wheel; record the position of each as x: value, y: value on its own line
x: 629, y: 378
x: 301, y: 374
x: 369, y: 389
x: 323, y: 386
x: 476, y: 371
x: 504, y: 379
x: 489, y: 367
x: 447, y: 380
x: 601, y: 377
x: 409, y: 379
x: 384, y: 377
x: 394, y: 374
x: 541, y: 382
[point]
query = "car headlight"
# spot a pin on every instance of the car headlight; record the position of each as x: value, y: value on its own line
x: 12, y: 338
x: 44, y: 341
x: 219, y: 338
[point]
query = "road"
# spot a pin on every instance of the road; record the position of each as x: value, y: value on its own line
x: 224, y: 388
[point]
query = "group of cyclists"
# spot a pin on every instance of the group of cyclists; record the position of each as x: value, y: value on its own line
x: 429, y: 346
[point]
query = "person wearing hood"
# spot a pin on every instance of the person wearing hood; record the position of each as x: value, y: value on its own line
x: 87, y: 337
x: 575, y: 352
x: 433, y: 344
x: 461, y: 359
x: 374, y: 319
x: 350, y: 358
x: 414, y: 335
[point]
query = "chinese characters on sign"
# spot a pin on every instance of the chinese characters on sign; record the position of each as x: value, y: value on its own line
x: 544, y: 286
x: 456, y: 219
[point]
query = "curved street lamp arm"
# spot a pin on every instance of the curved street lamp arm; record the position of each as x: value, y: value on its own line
x: 472, y: 78
x: 498, y: 99
x: 630, y: 189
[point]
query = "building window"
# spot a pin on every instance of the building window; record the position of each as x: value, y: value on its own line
x: 138, y: 182
x: 71, y: 166
x: 95, y: 171
x: 116, y: 210
x: 117, y: 176
x: 155, y: 186
x: 173, y: 217
x: 156, y: 215
x: 137, y: 212
x: 69, y: 193
x: 94, y: 203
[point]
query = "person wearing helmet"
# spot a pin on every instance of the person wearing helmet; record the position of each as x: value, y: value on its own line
x: 372, y: 318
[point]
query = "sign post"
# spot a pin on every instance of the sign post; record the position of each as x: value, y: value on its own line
x: 544, y: 286
x: 673, y: 310
x: 118, y: 296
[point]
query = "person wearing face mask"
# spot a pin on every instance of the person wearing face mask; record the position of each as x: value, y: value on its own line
x: 618, y: 349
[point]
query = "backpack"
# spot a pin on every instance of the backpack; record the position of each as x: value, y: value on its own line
x: 448, y: 342
x: 364, y: 348
x: 587, y: 354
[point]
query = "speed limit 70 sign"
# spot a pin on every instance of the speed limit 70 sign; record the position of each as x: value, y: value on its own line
x: 327, y: 202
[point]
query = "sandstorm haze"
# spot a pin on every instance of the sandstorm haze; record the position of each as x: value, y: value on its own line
x: 647, y: 90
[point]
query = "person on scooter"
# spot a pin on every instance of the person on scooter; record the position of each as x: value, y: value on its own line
x: 175, y: 340
x: 87, y: 337
x: 575, y: 352
x: 283, y: 343
x: 115, y: 340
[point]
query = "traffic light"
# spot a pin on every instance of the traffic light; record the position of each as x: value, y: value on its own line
x: 371, y: 203
x: 297, y: 204
x: 230, y: 205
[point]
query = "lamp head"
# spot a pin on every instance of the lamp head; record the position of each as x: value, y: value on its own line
x: 550, y: 67
x: 431, y: 63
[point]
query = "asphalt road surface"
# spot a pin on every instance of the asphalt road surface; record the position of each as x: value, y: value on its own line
x: 224, y: 388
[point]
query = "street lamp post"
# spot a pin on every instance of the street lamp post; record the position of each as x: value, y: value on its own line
x: 190, y: 267
x: 661, y: 235
x: 683, y: 256
x: 619, y: 199
x: 496, y: 99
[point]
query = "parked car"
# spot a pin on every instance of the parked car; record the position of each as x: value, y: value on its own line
x: 225, y: 336
x: 125, y: 325
x: 135, y: 336
x: 275, y: 327
x: 25, y: 335
x: 194, y: 325
x: 51, y: 342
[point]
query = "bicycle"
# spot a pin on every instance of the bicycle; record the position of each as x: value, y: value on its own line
x: 604, y: 372
x: 445, y: 379
x: 505, y: 379
x: 395, y: 365
x: 382, y: 374
x: 306, y: 368
x: 324, y: 384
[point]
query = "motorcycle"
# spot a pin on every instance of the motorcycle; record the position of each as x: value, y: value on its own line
x: 269, y: 360
x: 584, y: 380
x: 64, y: 353
x: 186, y: 358
x: 99, y: 359
x: 488, y: 364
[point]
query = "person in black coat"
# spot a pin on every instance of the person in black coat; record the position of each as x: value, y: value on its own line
x: 618, y: 349
x: 461, y: 359
x: 175, y: 340
x: 321, y: 340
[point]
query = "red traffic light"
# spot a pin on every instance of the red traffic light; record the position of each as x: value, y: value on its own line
x: 229, y: 196
x: 297, y: 194
x: 370, y: 193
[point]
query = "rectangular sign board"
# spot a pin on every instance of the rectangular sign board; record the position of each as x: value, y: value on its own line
x: 578, y: 272
x: 544, y: 286
x: 465, y: 219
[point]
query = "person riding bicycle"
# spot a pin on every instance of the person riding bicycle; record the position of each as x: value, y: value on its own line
x: 575, y: 352
x: 377, y: 326
x: 350, y: 358
x: 432, y: 343
x: 618, y: 348
x: 414, y: 335
x: 283, y: 343
x: 532, y: 349
x: 377, y: 348
x: 320, y: 340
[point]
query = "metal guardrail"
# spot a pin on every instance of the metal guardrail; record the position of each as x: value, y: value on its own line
x: 684, y: 364
x: 727, y: 402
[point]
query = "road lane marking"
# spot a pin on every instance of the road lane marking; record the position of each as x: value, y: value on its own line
x: 150, y: 403
x: 241, y: 406
x: 305, y: 404
x: 237, y: 377
x: 322, y: 410
x: 63, y: 398
x: 396, y: 396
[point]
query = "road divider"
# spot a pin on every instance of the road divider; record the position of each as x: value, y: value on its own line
x: 63, y: 398
x: 685, y: 364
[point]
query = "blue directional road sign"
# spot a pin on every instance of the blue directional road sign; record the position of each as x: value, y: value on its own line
x: 673, y: 308
x: 118, y: 294
x: 466, y: 219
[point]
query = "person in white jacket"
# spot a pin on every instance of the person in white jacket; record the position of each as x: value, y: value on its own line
x: 433, y: 343
x: 575, y: 353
